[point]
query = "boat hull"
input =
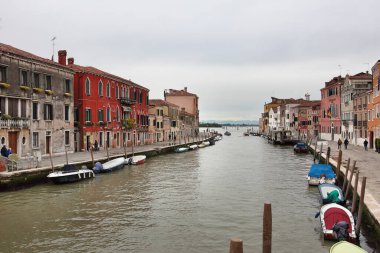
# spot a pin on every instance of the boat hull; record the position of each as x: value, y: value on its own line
x: 71, y: 177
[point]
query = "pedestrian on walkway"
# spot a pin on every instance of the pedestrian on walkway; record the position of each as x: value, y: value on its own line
x: 365, y: 145
x: 345, y: 143
x: 339, y: 143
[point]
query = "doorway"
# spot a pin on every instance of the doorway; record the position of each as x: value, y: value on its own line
x: 12, y: 137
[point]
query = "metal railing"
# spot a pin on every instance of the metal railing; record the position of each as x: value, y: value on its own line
x: 15, y: 123
x: 127, y: 101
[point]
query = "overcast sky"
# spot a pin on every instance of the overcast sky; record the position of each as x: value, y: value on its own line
x: 234, y: 55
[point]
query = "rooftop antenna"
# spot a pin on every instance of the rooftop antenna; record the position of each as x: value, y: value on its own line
x: 53, y: 41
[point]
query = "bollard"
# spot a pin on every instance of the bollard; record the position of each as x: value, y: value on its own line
x: 92, y: 157
x: 361, y: 205
x: 354, y: 198
x: 236, y: 245
x: 349, y: 181
x: 267, y: 228
x: 328, y: 155
x: 345, y: 176
x: 338, y: 165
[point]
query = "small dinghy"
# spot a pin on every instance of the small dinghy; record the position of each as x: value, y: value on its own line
x: 330, y: 193
x: 181, y: 149
x: 321, y: 173
x: 337, y: 223
x: 201, y: 145
x: 227, y: 133
x: 70, y: 174
x: 114, y: 164
x: 137, y: 159
x: 194, y: 146
x: 346, y: 247
x: 206, y: 143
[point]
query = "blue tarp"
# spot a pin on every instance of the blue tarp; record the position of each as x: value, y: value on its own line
x: 317, y: 170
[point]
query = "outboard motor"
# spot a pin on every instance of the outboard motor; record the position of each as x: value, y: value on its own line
x: 341, y: 230
x: 98, y: 167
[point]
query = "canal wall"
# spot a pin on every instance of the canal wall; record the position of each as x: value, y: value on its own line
x: 26, y: 178
x: 371, y: 209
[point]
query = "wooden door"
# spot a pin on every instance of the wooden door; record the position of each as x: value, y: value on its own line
x: 48, y: 138
x: 12, y: 137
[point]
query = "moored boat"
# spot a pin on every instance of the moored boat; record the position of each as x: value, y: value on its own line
x: 330, y: 193
x: 70, y: 174
x: 300, y: 147
x: 337, y: 223
x: 181, y: 149
x: 113, y: 165
x: 137, y: 159
x: 206, y: 143
x: 346, y: 247
x: 227, y: 133
x: 321, y: 173
x: 201, y: 145
x: 194, y: 146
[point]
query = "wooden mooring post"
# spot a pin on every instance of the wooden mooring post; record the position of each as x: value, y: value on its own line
x: 315, y: 150
x: 349, y: 181
x: 267, y: 228
x: 320, y: 153
x: 108, y: 155
x: 361, y: 205
x: 345, y: 175
x: 51, y: 161
x: 92, y: 157
x: 67, y: 158
x: 337, y: 172
x: 328, y: 155
x: 355, y: 195
x: 236, y: 245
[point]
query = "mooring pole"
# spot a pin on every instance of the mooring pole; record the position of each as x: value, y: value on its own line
x: 328, y: 155
x: 51, y: 161
x: 92, y: 157
x: 345, y: 175
x: 349, y: 181
x: 361, y: 205
x: 267, y: 228
x: 108, y: 155
x: 355, y: 196
x: 125, y: 150
x: 339, y: 164
x: 236, y: 245
x: 67, y: 158
x: 320, y: 153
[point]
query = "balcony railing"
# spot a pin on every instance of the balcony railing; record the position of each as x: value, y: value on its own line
x: 15, y: 123
x: 127, y: 101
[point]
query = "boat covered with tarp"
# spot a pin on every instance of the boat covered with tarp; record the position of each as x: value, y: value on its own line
x: 330, y: 193
x: 346, y: 247
x: 321, y: 173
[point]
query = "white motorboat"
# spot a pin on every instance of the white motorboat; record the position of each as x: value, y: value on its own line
x: 202, y: 145
x: 70, y: 174
x: 136, y: 160
x: 181, y: 149
x: 206, y: 143
x: 112, y: 165
x: 194, y: 146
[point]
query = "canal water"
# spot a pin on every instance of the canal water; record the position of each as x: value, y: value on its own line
x: 187, y: 202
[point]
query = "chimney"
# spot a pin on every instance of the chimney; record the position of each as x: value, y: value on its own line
x: 62, y: 57
x: 186, y: 89
x: 70, y: 61
x: 307, y: 97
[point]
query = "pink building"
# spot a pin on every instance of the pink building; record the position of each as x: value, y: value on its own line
x: 330, y: 120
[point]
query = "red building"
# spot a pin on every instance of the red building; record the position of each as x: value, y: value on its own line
x: 330, y: 120
x: 101, y: 102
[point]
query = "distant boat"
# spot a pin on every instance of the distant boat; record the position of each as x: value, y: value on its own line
x: 337, y: 223
x: 112, y: 165
x: 206, y: 143
x: 194, y: 146
x: 346, y: 247
x: 330, y: 193
x: 227, y: 133
x: 181, y: 149
x: 246, y: 134
x: 300, y: 147
x: 70, y: 174
x: 321, y: 173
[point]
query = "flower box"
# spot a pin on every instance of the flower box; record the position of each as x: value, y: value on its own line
x: 68, y: 94
x: 37, y: 90
x: 24, y: 88
x: 49, y: 92
x: 6, y: 117
x: 89, y: 123
x: 5, y: 85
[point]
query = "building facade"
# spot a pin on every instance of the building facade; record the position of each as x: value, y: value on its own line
x: 374, y: 107
x: 36, y: 115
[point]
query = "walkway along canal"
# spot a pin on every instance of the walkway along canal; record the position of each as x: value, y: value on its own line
x: 178, y: 202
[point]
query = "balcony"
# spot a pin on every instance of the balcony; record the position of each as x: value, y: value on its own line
x: 127, y: 101
x: 15, y: 123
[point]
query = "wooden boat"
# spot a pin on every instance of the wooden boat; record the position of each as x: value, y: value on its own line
x: 346, y: 247
x: 321, y: 173
x: 137, y: 159
x: 300, y: 148
x: 337, y: 223
x: 113, y: 165
x: 330, y: 193
x: 194, y: 146
x: 181, y: 149
x: 70, y: 174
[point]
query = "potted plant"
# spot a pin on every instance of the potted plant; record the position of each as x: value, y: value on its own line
x: 24, y: 88
x: 68, y: 94
x: 6, y: 117
x: 49, y: 92
x: 38, y: 90
x: 377, y: 145
x: 5, y: 85
x: 89, y: 123
x: 102, y: 123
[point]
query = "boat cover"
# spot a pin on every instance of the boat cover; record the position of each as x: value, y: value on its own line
x: 317, y: 170
x: 333, y: 197
x: 344, y: 247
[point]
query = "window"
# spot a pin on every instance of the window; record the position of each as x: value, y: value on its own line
x: 48, y: 112
x: 24, y: 78
x: 100, y: 88
x: 117, y: 92
x: 100, y: 139
x: 35, y: 140
x: 36, y: 80
x: 108, y: 114
x: 67, y: 138
x: 87, y: 115
x: 100, y: 115
x: 47, y: 82
x: 67, y: 86
x: 76, y: 114
x: 140, y: 98
x: 117, y: 114
x: 88, y: 87
x: 3, y: 74
x: 147, y: 100
x: 67, y: 112
x: 108, y: 90
x: 35, y: 111
x: 134, y: 95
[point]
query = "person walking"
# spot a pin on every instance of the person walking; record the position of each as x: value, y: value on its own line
x: 365, y: 145
x: 339, y: 143
x: 345, y: 143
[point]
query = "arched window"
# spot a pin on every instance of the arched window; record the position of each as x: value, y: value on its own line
x: 117, y: 92
x: 88, y: 86
x: 108, y: 114
x: 100, y: 88
x: 108, y: 90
